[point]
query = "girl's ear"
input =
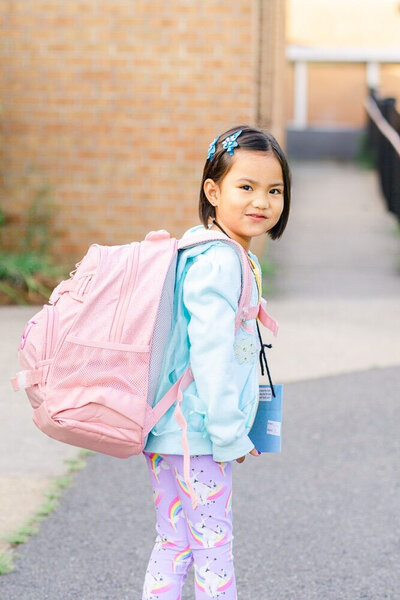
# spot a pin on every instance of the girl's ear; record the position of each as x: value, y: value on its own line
x: 211, y: 191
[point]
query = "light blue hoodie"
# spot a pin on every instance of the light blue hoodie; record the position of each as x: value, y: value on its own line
x: 220, y: 404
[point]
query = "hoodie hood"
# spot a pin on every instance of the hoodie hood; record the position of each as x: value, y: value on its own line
x: 192, y: 230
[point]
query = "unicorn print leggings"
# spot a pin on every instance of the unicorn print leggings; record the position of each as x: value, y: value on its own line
x: 202, y: 536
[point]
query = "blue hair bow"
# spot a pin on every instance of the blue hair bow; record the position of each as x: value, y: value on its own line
x: 211, y: 149
x: 230, y: 142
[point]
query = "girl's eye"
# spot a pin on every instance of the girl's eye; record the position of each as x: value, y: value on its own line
x: 246, y: 185
x: 276, y: 190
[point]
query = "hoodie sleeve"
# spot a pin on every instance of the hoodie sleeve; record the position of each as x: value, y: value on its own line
x: 211, y: 292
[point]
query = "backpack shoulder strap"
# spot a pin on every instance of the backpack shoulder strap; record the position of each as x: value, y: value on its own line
x: 245, y: 296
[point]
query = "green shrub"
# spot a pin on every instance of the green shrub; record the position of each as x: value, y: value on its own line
x: 28, y: 275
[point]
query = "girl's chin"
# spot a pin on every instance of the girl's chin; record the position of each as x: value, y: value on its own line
x: 258, y: 228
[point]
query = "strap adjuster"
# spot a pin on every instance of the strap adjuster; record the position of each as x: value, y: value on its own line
x: 26, y: 379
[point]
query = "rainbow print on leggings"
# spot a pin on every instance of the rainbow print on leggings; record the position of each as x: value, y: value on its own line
x: 167, y: 544
x: 204, y: 492
x: 200, y: 580
x: 220, y: 540
x: 222, y: 467
x: 155, y: 460
x: 157, y: 495
x: 198, y: 536
x: 226, y: 582
x: 160, y: 589
x: 228, y: 505
x: 174, y: 510
x: 216, y: 493
x: 182, y: 483
x: 181, y: 557
x: 212, y: 584
x: 207, y: 537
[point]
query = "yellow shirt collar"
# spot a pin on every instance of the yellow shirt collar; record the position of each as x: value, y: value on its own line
x: 257, y: 273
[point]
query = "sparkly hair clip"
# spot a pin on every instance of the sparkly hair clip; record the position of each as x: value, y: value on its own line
x: 211, y: 149
x: 230, y: 142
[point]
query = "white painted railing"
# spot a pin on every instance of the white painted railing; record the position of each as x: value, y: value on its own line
x: 384, y: 127
x: 301, y: 56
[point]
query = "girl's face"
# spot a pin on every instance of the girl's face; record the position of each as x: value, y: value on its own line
x: 252, y: 186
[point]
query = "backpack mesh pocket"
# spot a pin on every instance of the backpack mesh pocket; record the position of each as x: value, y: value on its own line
x: 112, y: 376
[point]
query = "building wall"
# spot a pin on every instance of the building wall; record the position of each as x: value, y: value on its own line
x: 336, y: 91
x: 270, y: 65
x: 335, y: 94
x: 113, y: 105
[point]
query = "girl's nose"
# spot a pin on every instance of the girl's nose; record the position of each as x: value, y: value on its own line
x: 261, y: 203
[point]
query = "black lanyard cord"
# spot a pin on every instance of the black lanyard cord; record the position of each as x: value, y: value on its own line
x: 218, y: 225
x: 262, y: 356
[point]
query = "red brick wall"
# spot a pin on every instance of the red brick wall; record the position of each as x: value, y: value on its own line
x: 113, y: 105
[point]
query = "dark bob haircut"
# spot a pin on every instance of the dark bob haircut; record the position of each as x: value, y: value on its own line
x: 255, y: 140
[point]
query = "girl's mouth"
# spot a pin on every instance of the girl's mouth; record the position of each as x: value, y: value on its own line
x: 256, y: 218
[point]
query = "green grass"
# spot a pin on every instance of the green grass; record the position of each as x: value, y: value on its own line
x: 6, y: 562
x: 364, y: 156
x: 23, y: 272
x: 22, y: 534
x: 268, y: 270
x: 31, y: 527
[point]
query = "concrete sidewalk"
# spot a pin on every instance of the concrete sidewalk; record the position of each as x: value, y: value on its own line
x: 336, y: 295
x: 28, y: 458
x: 336, y: 290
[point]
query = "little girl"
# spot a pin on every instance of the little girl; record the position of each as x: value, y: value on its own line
x: 245, y: 191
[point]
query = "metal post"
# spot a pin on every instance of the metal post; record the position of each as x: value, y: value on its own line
x: 373, y: 75
x: 300, y: 95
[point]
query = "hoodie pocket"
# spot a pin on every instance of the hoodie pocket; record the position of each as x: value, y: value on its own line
x: 194, y: 411
x: 250, y: 411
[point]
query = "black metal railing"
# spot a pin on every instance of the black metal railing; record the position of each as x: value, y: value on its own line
x: 383, y: 140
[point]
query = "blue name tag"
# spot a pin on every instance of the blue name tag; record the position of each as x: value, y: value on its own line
x: 266, y: 429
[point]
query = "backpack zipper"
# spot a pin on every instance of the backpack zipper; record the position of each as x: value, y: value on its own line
x: 126, y: 293
x: 50, y: 322
x: 25, y: 333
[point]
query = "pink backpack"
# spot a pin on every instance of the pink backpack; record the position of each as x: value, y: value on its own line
x: 91, y: 358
